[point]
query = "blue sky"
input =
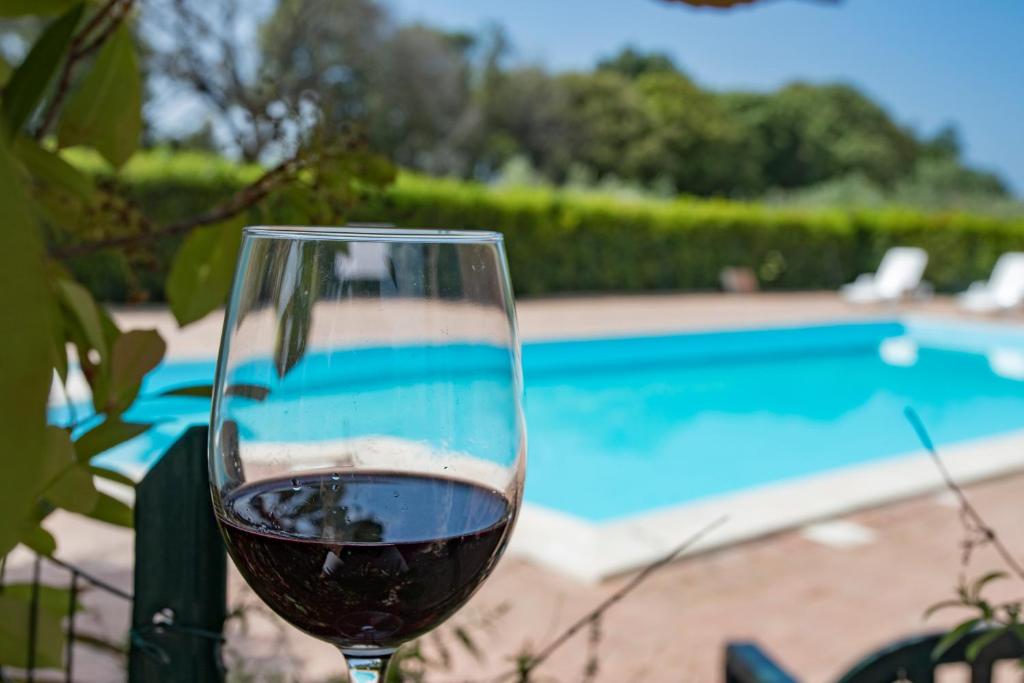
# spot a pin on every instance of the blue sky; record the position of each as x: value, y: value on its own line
x: 930, y: 62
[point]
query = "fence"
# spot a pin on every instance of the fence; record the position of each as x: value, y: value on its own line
x: 178, y: 601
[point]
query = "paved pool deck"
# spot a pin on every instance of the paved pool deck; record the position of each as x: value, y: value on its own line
x: 817, y: 597
x: 623, y: 315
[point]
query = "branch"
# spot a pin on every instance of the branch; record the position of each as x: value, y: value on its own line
x: 523, y: 671
x: 242, y: 200
x: 972, y: 518
x: 78, y: 51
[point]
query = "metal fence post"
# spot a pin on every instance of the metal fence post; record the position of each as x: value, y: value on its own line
x: 180, y: 571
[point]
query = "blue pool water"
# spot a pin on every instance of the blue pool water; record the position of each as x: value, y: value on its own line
x: 623, y: 426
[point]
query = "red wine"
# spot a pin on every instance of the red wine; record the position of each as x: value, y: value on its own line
x: 365, y: 559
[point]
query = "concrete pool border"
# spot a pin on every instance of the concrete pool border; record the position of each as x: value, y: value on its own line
x: 594, y: 551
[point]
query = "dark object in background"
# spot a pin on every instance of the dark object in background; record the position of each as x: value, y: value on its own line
x: 906, y: 660
x: 736, y: 280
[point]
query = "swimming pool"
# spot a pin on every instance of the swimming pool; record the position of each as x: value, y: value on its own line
x: 623, y: 427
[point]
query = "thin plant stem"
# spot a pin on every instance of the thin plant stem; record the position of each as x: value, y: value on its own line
x: 970, y: 513
x: 523, y: 670
x: 76, y: 53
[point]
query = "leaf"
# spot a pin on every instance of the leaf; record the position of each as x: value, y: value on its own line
x: 83, y: 309
x: 980, y: 583
x: 29, y: 81
x: 111, y: 475
x: 198, y: 391
x: 135, y: 353
x: 945, y: 604
x: 296, y: 321
x: 17, y: 8
x: 5, y: 72
x: 203, y: 269
x: 101, y: 644
x: 467, y: 642
x: 953, y: 637
x: 25, y: 370
x: 50, y: 168
x: 14, y: 616
x: 55, y: 600
x: 979, y: 644
x: 60, y: 341
x: 112, y: 511
x: 56, y: 457
x: 105, y: 113
x: 105, y: 436
x: 40, y: 540
x: 255, y: 392
x: 73, y: 490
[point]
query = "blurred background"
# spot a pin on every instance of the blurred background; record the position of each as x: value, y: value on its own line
x: 684, y: 192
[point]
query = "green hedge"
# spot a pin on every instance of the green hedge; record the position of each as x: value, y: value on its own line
x: 573, y: 242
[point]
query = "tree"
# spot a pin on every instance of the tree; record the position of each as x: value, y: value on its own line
x: 805, y: 134
x: 200, y: 48
x: 420, y: 110
x: 606, y: 118
x: 80, y: 85
x: 528, y: 113
x: 327, y: 48
x: 689, y: 139
x: 633, y: 63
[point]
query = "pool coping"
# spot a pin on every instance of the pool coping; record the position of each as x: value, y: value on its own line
x: 594, y: 551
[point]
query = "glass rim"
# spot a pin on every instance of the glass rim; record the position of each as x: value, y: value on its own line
x: 352, y: 233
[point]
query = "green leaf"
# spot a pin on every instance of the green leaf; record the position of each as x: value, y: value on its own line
x: 203, y: 268
x: 18, y: 8
x: 255, y: 392
x: 105, y: 113
x: 60, y: 341
x: 467, y: 642
x: 26, y: 370
x: 40, y: 540
x: 56, y: 601
x: 981, y: 582
x: 134, y: 354
x: 953, y: 637
x: 14, y: 616
x: 111, y: 475
x: 73, y: 490
x: 29, y: 81
x: 85, y: 312
x: 56, y: 458
x: 50, y: 168
x: 945, y: 604
x: 979, y: 644
x: 102, y: 644
x: 105, y: 436
x: 198, y: 391
x: 112, y: 511
x: 296, y: 321
x: 5, y: 72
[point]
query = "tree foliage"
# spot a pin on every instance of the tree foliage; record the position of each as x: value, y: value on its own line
x: 79, y: 83
x: 456, y: 104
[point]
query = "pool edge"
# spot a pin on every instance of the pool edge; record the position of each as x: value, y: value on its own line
x: 596, y: 551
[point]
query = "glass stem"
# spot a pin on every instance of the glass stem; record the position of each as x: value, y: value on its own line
x: 368, y: 669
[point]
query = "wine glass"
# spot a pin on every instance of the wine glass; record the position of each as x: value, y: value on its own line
x: 367, y: 442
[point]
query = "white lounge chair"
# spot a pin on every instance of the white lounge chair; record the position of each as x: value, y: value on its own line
x: 364, y: 261
x: 899, y: 274
x: 1004, y: 289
